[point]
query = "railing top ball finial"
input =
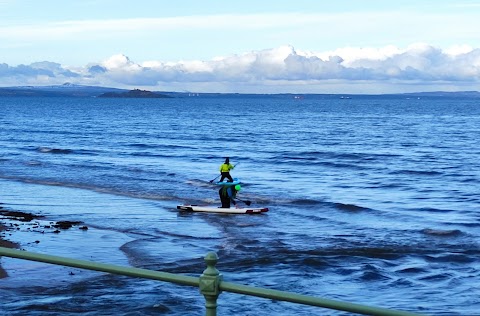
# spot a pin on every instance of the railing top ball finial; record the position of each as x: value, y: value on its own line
x: 211, y: 260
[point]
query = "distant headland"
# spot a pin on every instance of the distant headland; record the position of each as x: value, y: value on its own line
x: 136, y: 93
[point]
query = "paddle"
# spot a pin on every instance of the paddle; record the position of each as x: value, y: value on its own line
x: 215, y: 178
x: 246, y: 202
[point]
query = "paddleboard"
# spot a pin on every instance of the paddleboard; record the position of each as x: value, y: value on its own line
x: 226, y: 183
x: 213, y: 209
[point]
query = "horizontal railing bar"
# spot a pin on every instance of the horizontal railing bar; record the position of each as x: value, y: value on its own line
x: 102, y: 267
x: 194, y: 281
x: 313, y: 301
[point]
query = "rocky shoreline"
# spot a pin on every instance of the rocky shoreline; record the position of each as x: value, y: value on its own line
x: 14, y: 220
x: 6, y: 244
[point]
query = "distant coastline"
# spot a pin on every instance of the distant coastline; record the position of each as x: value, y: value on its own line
x: 72, y: 90
x: 137, y: 93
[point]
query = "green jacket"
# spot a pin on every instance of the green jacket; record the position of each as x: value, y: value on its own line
x: 229, y: 191
x: 226, y: 167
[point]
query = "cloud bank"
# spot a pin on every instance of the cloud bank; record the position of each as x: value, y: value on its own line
x: 419, y: 67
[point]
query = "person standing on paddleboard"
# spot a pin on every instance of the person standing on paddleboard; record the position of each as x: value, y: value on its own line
x: 225, y: 170
x: 228, y: 193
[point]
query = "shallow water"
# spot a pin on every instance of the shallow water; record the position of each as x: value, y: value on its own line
x: 372, y: 200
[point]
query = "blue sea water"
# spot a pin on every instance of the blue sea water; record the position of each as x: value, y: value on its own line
x: 373, y: 200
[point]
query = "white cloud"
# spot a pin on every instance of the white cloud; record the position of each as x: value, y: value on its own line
x: 352, y: 54
x: 120, y: 61
x: 458, y: 50
x: 75, y: 41
x: 365, y: 70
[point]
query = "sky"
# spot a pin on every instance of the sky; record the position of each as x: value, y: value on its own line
x: 261, y: 46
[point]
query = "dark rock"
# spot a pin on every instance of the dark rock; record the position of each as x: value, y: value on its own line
x: 65, y: 224
x: 20, y: 216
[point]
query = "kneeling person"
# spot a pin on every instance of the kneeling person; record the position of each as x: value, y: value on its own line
x: 227, y: 194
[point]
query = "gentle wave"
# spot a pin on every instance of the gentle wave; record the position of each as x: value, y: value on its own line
x: 92, y: 187
x: 435, y: 210
x: 306, y: 202
x: 454, y: 258
x: 372, y: 272
x: 54, y: 150
x: 313, y: 257
x: 417, y: 172
x: 440, y: 232
x: 66, y: 151
x: 332, y: 155
x: 159, y: 146
x: 350, y: 207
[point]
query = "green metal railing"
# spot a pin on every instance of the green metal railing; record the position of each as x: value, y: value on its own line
x: 211, y: 283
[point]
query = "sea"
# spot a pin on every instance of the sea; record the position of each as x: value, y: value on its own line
x: 372, y: 200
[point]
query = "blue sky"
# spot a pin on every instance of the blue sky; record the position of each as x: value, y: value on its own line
x: 369, y: 46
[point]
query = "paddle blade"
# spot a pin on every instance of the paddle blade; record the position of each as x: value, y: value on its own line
x: 211, y: 181
x: 248, y: 203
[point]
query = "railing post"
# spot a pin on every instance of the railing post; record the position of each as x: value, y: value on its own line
x: 209, y: 284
